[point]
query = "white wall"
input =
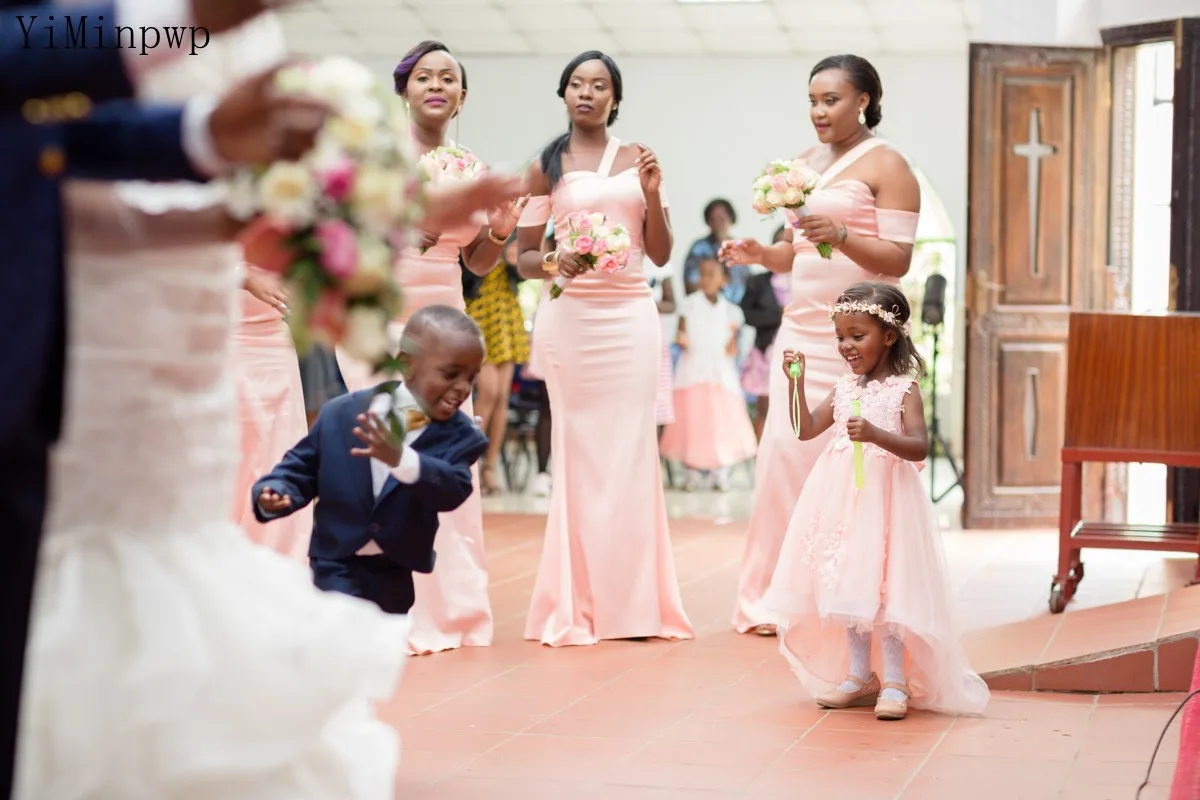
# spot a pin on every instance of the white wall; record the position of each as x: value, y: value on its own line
x: 1072, y: 23
x: 715, y: 122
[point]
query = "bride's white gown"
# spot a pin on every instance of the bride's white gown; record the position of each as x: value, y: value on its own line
x: 170, y: 658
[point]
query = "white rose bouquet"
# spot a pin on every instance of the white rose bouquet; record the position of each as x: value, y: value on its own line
x: 787, y: 185
x: 332, y: 222
x: 450, y: 163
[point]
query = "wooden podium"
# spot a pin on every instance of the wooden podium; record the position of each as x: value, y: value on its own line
x: 1133, y: 396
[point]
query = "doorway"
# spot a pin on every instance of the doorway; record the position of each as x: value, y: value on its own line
x: 1143, y: 87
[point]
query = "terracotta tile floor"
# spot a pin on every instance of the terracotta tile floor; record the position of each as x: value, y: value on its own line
x: 722, y: 717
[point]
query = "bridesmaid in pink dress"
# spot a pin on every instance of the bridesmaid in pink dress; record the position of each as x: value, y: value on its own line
x: 271, y: 407
x: 452, y: 607
x: 607, y: 570
x: 866, y: 206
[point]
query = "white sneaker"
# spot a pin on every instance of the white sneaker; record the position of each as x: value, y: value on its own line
x: 540, y: 485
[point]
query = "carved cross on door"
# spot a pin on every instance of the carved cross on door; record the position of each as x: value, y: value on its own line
x: 1034, y: 151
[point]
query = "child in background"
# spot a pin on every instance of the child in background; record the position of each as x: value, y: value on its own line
x: 862, y: 576
x: 712, y: 430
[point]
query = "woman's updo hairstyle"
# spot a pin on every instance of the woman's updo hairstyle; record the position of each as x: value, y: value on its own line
x: 407, y: 64
x: 552, y: 155
x: 863, y: 77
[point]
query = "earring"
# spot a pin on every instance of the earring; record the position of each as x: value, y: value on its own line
x: 862, y: 117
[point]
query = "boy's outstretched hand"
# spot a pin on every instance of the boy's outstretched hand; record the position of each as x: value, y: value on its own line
x: 273, y: 502
x: 378, y: 440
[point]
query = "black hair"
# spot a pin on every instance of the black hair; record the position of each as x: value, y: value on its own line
x: 552, y: 154
x: 720, y: 202
x: 439, y: 320
x: 778, y: 235
x: 902, y: 357
x: 863, y: 77
x: 714, y: 260
x: 404, y: 69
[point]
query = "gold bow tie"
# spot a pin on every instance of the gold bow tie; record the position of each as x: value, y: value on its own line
x: 415, y: 419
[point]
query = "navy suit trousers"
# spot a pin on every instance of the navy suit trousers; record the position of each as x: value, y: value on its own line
x: 376, y: 578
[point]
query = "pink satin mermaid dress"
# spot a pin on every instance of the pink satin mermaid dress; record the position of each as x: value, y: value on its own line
x: 271, y: 411
x: 783, y: 462
x: 607, y: 570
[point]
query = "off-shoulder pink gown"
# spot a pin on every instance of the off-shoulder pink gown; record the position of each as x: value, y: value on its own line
x: 607, y: 570
x: 784, y: 462
x: 271, y: 411
x: 452, y: 607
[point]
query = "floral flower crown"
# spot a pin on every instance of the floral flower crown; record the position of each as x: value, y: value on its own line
x: 859, y: 307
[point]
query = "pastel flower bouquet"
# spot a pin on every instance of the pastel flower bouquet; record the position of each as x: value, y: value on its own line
x: 332, y: 223
x: 450, y: 163
x: 602, y: 245
x: 787, y: 185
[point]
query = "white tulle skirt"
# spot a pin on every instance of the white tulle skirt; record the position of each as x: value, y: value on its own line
x: 199, y: 666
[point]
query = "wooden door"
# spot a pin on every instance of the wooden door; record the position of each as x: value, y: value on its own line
x: 1035, y: 250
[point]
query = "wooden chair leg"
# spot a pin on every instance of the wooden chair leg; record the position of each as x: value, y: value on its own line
x: 1062, y: 587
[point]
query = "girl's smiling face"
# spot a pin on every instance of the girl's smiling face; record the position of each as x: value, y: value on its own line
x: 863, y: 341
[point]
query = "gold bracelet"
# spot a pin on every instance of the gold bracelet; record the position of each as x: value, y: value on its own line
x: 550, y: 262
x: 843, y: 234
x: 497, y: 240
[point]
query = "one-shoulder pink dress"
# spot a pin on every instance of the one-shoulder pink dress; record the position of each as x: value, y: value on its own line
x: 452, y: 607
x: 607, y: 570
x: 271, y: 408
x: 784, y: 462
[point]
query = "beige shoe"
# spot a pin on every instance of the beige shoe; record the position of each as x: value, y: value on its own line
x: 864, y: 695
x: 892, y: 710
x: 766, y: 629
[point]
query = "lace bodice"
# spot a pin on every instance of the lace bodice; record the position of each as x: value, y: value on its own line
x: 150, y: 443
x: 882, y: 403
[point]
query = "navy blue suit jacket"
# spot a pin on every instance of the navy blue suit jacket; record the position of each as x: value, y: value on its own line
x: 115, y: 141
x: 404, y: 519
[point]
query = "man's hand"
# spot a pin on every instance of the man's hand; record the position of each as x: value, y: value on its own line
x: 453, y: 204
x: 222, y: 15
x: 256, y: 124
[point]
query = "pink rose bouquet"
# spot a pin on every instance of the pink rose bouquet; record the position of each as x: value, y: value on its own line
x: 787, y: 185
x: 332, y: 222
x: 603, y: 245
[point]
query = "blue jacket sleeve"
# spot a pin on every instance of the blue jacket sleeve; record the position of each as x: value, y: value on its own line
x: 446, y: 482
x: 295, y: 476
x: 40, y: 56
x: 121, y: 140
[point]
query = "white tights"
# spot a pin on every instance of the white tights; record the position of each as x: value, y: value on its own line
x: 860, y: 662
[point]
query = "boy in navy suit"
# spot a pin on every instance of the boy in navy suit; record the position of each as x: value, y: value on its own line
x: 380, y: 498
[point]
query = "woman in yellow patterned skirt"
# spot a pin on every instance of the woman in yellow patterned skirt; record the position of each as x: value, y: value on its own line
x: 492, y: 303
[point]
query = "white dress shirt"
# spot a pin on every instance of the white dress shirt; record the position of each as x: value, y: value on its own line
x: 197, y: 138
x: 407, y: 471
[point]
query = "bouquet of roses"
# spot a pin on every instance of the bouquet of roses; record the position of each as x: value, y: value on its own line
x: 603, y: 245
x: 332, y: 222
x: 787, y: 185
x: 450, y: 163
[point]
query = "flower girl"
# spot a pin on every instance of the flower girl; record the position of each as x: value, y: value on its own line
x: 712, y: 429
x: 862, y: 577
